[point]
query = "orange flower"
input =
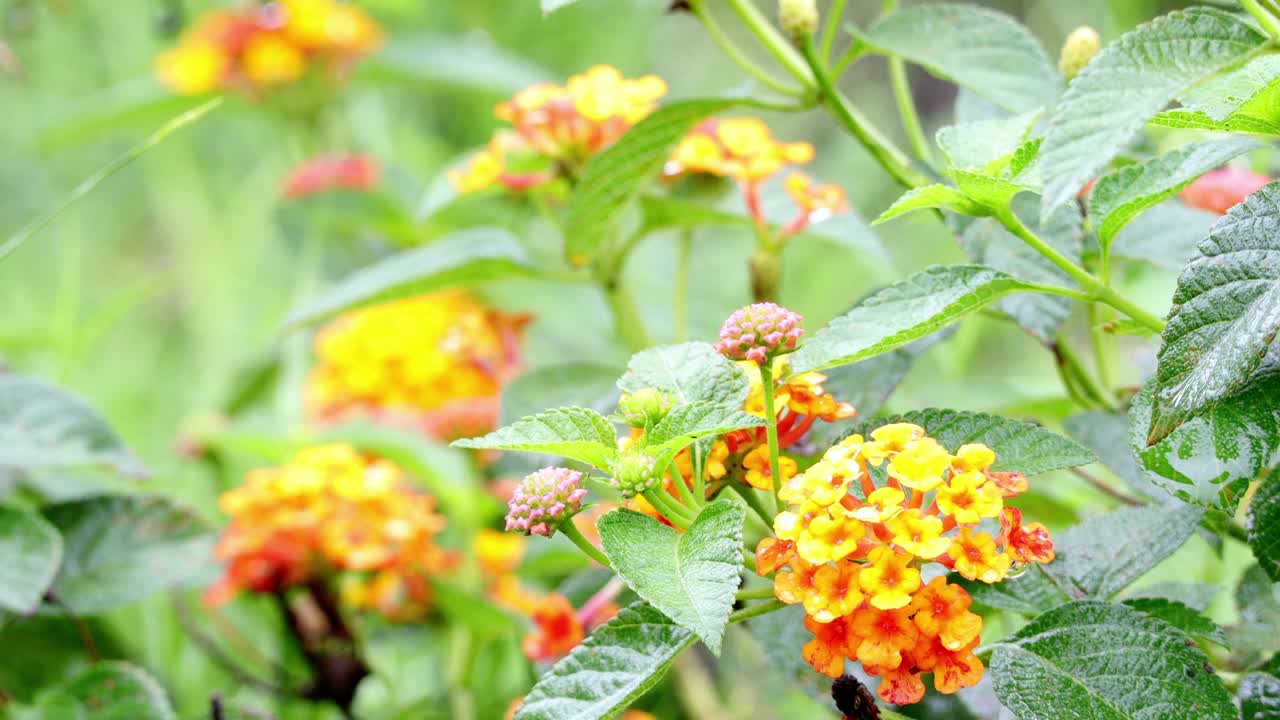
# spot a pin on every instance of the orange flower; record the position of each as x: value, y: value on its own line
x: 900, y: 686
x: 760, y: 475
x: 325, y: 173
x: 558, y: 629
x: 830, y: 536
x: 831, y: 644
x: 816, y: 201
x: 942, y: 611
x: 772, y: 553
x: 953, y: 670
x: 976, y: 557
x: 835, y: 592
x: 890, y: 580
x: 797, y: 584
x: 883, y: 636
x: 1026, y: 543
x: 1220, y: 190
x: 1011, y: 484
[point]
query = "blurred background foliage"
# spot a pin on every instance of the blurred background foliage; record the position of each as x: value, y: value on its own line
x: 158, y: 295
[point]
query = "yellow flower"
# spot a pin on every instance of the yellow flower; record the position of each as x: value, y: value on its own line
x: 974, y: 457
x: 499, y: 553
x: 601, y: 93
x: 817, y: 201
x: 918, y: 534
x: 825, y: 483
x: 890, y: 580
x: 831, y: 535
x: 738, y: 148
x: 835, y: 592
x: 920, y: 464
x: 193, y: 67
x: 270, y: 59
x: 969, y: 497
x: 889, y: 439
x: 976, y: 557
x: 760, y: 475
x: 881, y: 505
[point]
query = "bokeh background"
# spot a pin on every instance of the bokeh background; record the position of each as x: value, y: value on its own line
x: 158, y: 295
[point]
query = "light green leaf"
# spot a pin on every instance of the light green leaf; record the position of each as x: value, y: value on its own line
x: 45, y: 428
x: 618, y: 174
x: 692, y: 421
x: 1031, y: 593
x: 472, y: 611
x: 1246, y: 99
x: 550, y: 6
x: 977, y: 145
x: 575, y: 433
x: 1020, y: 446
x: 1258, y: 599
x: 930, y: 197
x: 30, y: 551
x: 1126, y: 193
x: 468, y: 63
x: 1259, y: 697
x: 612, y: 668
x: 905, y: 311
x: 988, y: 191
x: 1104, y: 554
x: 1264, y: 526
x: 1106, y: 662
x: 1225, y: 314
x: 1166, y: 236
x: 660, y: 212
x: 1131, y: 80
x: 981, y: 50
x: 692, y: 576
x: 1180, y: 616
x: 575, y: 385
x: 693, y: 371
x: 464, y: 258
x: 1211, y: 459
x: 107, y: 691
x: 118, y: 550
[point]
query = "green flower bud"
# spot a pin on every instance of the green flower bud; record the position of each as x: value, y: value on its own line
x: 635, y: 472
x: 799, y: 18
x: 644, y: 408
x: 1080, y: 47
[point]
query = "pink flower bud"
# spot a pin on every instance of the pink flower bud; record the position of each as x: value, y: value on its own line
x: 759, y: 332
x: 544, y: 499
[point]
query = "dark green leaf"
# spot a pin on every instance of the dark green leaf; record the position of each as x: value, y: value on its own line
x: 1031, y: 593
x: 690, y: 576
x: 1180, y: 616
x: 45, y: 428
x: 691, y: 421
x: 693, y: 371
x: 1131, y: 80
x: 576, y: 433
x: 1264, y: 526
x: 464, y: 258
x: 1107, y: 434
x: 1259, y: 697
x: 1258, y: 599
x: 1196, y: 596
x: 618, y: 663
x: 107, y: 691
x: 30, y: 551
x: 1106, y: 662
x: 1225, y: 314
x: 905, y: 311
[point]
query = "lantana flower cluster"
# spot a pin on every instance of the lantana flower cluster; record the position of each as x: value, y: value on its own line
x: 851, y: 551
x: 330, y: 172
x: 260, y: 47
x: 555, y: 129
x: 332, y: 511
x: 436, y: 362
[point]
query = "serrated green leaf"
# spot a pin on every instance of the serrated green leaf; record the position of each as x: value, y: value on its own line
x: 977, y: 145
x: 984, y: 51
x: 118, y: 550
x: 1165, y: 236
x: 1246, y: 99
x: 1180, y: 616
x: 470, y: 63
x: 1225, y: 314
x: 612, y: 668
x: 1104, y: 554
x: 692, y: 576
x: 464, y: 258
x: 988, y: 191
x: 1124, y: 194
x: 1031, y: 593
x: 1020, y: 446
x: 575, y: 433
x: 30, y: 552
x: 1264, y: 526
x: 691, y: 421
x: 45, y: 428
x: 1211, y: 459
x: 617, y: 175
x: 693, y: 371
x: 107, y: 691
x: 1107, y: 435
x: 1131, y: 80
x: 572, y: 385
x: 1196, y: 596
x: 930, y: 197
x: 1259, y: 697
x: 902, y: 312
x: 1106, y: 662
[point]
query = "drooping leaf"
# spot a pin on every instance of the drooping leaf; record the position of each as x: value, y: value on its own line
x: 574, y: 384
x: 1211, y: 459
x: 1031, y: 593
x: 614, y: 666
x: 692, y: 371
x: 576, y: 433
x: 692, y: 421
x: 902, y: 312
x: 1104, y: 554
x: 1106, y: 662
x: 977, y: 145
x: 1124, y: 194
x: 30, y: 551
x: 1131, y: 80
x: 930, y: 197
x: 982, y: 50
x: 1264, y: 526
x: 617, y: 175
x: 463, y: 258
x: 468, y: 63
x: 1259, y: 697
x: 692, y: 576
x: 1225, y: 314
x: 1166, y: 236
x: 45, y: 428
x: 107, y: 691
x: 118, y: 550
x: 1180, y: 616
x: 1020, y: 446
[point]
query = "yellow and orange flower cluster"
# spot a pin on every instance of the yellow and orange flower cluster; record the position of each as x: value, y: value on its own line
x: 436, y: 362
x: 330, y: 511
x: 744, y: 150
x: 555, y: 129
x: 853, y: 552
x: 258, y: 48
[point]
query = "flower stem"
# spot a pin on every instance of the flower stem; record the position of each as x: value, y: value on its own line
x: 664, y: 504
x: 1072, y: 365
x: 699, y: 473
x: 752, y: 496
x: 771, y: 432
x: 834, y: 14
x: 772, y: 40
x: 1264, y: 18
x: 907, y: 109
x: 688, y: 499
x: 572, y: 532
x: 680, y: 299
x: 626, y: 318
x: 735, y: 53
x: 756, y: 594
x: 756, y: 611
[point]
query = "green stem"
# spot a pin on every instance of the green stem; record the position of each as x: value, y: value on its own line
x: 735, y: 54
x: 907, y: 109
x: 687, y: 497
x: 756, y: 611
x: 756, y: 594
x: 462, y: 655
x: 680, y: 299
x: 834, y: 15
x: 772, y: 40
x: 851, y: 55
x: 575, y: 535
x: 1072, y: 361
x: 752, y: 496
x: 626, y: 318
x: 663, y: 503
x: 1101, y: 347
x: 699, y: 473
x: 771, y: 432
x: 1264, y: 18
x: 893, y: 160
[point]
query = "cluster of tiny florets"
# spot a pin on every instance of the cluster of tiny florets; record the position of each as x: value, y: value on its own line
x: 544, y: 499
x: 634, y: 473
x: 759, y: 332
